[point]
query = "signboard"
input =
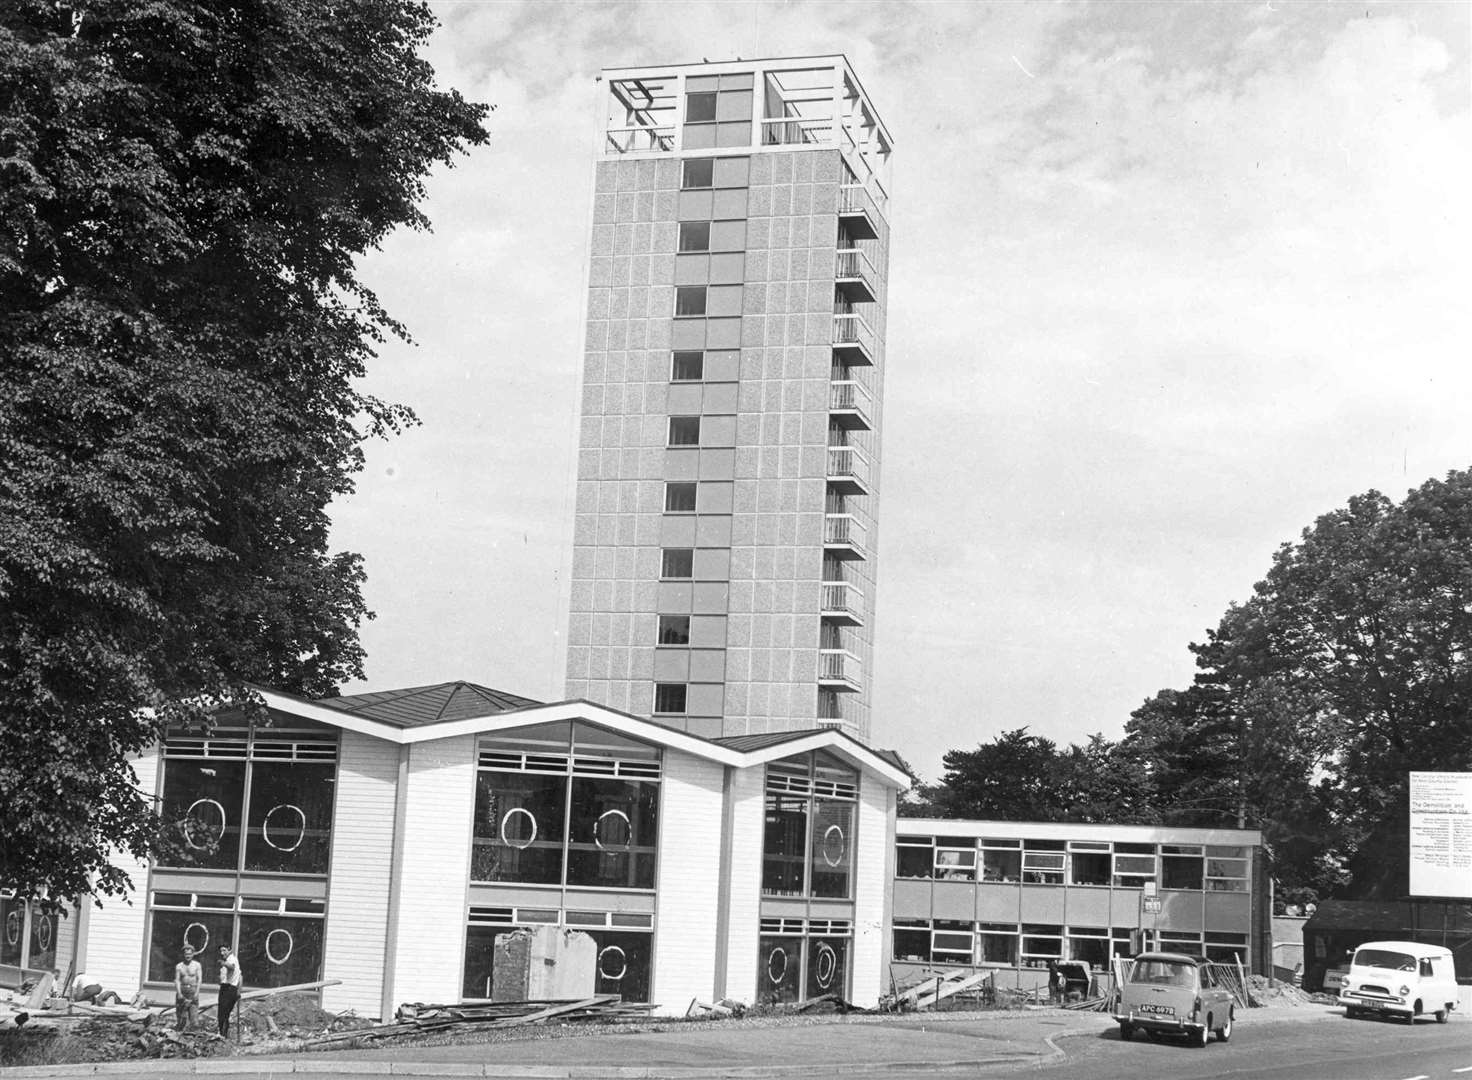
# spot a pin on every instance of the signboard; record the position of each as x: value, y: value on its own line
x: 1153, y: 905
x: 1441, y: 834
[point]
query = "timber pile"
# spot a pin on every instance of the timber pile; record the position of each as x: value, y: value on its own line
x: 421, y: 1019
x: 928, y: 992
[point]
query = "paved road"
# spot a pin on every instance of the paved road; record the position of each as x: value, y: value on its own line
x: 1326, y: 1048
x: 1307, y: 1043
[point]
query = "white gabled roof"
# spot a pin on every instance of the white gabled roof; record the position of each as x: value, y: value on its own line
x: 345, y: 714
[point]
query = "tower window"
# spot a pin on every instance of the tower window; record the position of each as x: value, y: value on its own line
x: 677, y: 563
x: 698, y: 173
x: 684, y: 431
x: 679, y: 497
x: 700, y: 108
x: 669, y: 697
x: 688, y: 367
x: 674, y: 630
x: 694, y: 236
x: 690, y: 300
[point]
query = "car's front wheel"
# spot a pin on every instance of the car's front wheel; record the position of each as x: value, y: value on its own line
x: 1224, y: 1032
x: 1442, y: 1013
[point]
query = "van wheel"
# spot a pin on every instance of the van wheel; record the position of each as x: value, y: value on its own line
x: 1441, y: 1014
x: 1224, y: 1032
x: 1201, y: 1034
x: 1126, y: 1031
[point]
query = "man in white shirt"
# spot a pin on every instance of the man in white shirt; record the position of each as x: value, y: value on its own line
x: 229, y: 987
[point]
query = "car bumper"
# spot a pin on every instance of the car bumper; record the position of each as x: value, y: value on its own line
x: 1156, y: 1022
x: 1374, y: 1004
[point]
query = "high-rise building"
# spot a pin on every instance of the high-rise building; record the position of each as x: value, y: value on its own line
x: 728, y: 471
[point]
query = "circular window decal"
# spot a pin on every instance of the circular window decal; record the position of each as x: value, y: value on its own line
x: 203, y: 935
x: 12, y: 928
x: 200, y: 831
x: 284, y: 823
x: 827, y: 965
x: 777, y: 965
x: 278, y: 949
x: 616, y: 955
x: 42, y: 931
x: 835, y: 845
x: 519, y: 844
x: 616, y: 834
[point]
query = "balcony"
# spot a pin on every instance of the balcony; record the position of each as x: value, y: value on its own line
x: 848, y: 470
x: 854, y: 275
x: 640, y: 138
x: 838, y: 669
x: 856, y: 210
x: 843, y: 536
x: 850, y: 406
x: 853, y: 341
x: 843, y: 603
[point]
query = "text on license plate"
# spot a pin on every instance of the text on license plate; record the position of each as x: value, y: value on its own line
x: 1163, y: 1010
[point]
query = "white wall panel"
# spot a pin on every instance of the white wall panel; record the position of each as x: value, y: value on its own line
x: 748, y: 824
x: 873, y: 875
x: 435, y: 874
x: 685, y: 927
x: 115, y: 933
x: 358, y: 889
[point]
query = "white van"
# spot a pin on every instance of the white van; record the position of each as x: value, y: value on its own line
x: 1400, y: 978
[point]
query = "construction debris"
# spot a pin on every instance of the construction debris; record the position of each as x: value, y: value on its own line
x: 926, y: 993
x: 421, y: 1019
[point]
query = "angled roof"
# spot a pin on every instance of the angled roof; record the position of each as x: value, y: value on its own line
x: 447, y: 710
x: 416, y: 706
x: 747, y: 744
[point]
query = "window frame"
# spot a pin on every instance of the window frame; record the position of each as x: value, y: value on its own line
x: 674, y: 488
x: 683, y: 431
x: 664, y: 564
x: 671, y: 691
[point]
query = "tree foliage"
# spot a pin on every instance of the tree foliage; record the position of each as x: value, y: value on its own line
x: 184, y: 188
x: 1349, y: 667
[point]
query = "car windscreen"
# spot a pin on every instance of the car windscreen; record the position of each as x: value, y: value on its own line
x: 1387, y: 959
x: 1163, y: 973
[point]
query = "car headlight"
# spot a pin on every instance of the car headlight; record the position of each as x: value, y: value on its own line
x: 1404, y: 990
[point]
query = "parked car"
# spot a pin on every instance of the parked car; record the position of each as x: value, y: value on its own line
x: 1401, y: 979
x: 1174, y: 994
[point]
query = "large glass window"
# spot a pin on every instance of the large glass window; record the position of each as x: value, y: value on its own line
x: 808, y: 841
x: 611, y: 838
x: 518, y: 828
x: 12, y: 931
x: 1226, y: 869
x: 28, y: 935
x: 278, y: 939
x: 1088, y: 863
x: 566, y: 804
x: 1134, y: 865
x: 799, y: 959
x: 1043, y: 862
x: 249, y: 801
x: 290, y: 821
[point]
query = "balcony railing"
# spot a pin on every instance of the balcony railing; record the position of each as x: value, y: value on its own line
x: 850, y: 405
x: 857, y: 209
x: 640, y: 138
x: 848, y: 470
x: 855, y: 275
x: 842, y: 603
x: 791, y: 131
x: 838, y: 669
x: 853, y: 341
x: 843, y: 536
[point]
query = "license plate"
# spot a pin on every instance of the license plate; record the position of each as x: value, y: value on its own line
x: 1159, y: 1010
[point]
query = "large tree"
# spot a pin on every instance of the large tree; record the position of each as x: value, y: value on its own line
x: 184, y: 188
x: 1351, y: 666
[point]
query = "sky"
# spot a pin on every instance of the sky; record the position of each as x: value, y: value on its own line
x: 1167, y: 282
